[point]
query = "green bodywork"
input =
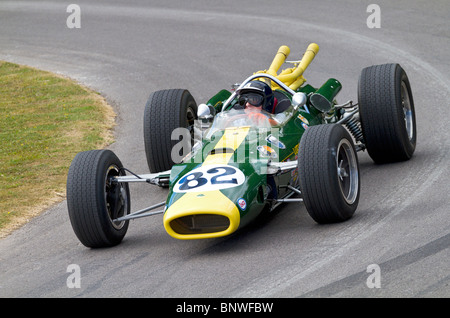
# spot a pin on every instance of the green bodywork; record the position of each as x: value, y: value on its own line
x: 259, y: 188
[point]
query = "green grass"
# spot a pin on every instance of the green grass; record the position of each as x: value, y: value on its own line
x: 45, y: 120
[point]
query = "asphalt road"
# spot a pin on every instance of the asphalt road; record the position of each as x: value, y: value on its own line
x: 127, y: 49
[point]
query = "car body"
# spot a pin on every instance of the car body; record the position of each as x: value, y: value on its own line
x: 232, y: 165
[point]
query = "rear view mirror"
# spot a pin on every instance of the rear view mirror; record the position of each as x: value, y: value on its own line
x: 205, y: 111
x: 298, y: 100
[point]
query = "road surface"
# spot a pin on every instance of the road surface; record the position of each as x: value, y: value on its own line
x: 127, y: 49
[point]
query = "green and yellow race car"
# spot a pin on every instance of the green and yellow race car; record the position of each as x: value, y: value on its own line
x: 271, y: 139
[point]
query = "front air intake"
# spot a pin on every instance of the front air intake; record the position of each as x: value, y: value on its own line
x: 201, y: 215
x: 200, y: 223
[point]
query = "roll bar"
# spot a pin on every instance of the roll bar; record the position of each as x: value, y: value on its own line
x: 251, y: 78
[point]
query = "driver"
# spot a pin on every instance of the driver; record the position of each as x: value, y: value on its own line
x: 257, y: 100
x: 256, y: 96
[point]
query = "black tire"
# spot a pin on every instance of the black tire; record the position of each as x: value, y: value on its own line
x: 387, y: 115
x: 93, y: 202
x: 329, y: 173
x: 165, y: 111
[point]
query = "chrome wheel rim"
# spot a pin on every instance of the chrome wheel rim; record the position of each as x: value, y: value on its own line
x: 115, y: 197
x: 407, y: 111
x: 347, y: 171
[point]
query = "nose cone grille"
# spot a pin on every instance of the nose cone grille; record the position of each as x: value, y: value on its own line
x: 200, y: 223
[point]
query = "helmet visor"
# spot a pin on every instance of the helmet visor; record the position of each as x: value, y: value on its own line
x: 251, y: 98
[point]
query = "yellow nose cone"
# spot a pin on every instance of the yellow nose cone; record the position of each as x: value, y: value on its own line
x: 201, y: 215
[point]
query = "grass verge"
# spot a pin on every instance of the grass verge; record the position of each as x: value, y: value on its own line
x: 45, y: 120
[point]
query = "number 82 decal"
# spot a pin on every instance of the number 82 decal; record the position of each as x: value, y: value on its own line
x: 210, y: 178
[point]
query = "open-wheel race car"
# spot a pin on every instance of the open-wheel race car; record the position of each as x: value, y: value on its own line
x: 271, y: 139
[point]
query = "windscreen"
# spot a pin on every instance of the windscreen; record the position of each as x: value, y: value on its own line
x: 247, y: 118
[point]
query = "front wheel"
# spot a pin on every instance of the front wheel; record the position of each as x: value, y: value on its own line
x: 94, y: 201
x: 166, y: 111
x: 329, y: 173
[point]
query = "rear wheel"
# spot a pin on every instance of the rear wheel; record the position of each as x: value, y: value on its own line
x: 165, y: 111
x: 329, y: 173
x: 387, y: 115
x: 94, y: 201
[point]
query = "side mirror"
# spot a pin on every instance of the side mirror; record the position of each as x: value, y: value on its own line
x: 298, y: 100
x: 322, y: 99
x: 205, y: 111
x: 320, y: 102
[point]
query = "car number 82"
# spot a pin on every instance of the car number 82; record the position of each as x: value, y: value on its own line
x: 210, y: 178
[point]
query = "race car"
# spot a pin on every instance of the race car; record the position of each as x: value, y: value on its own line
x: 270, y: 140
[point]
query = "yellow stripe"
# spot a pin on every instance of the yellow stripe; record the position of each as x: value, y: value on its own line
x: 210, y: 202
x: 232, y: 138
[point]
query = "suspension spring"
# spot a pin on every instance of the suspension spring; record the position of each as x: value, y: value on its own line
x: 354, y: 126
